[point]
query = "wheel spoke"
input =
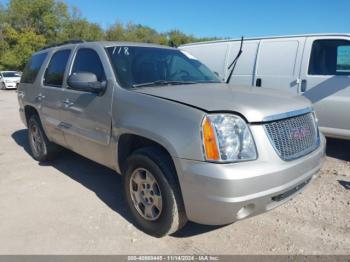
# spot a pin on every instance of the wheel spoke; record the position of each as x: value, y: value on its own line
x: 157, y: 202
x: 149, y: 211
x: 150, y: 179
x: 138, y: 179
x: 37, y: 146
x: 136, y: 198
x: 38, y: 138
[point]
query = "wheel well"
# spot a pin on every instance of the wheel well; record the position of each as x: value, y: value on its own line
x: 29, y: 111
x: 128, y: 143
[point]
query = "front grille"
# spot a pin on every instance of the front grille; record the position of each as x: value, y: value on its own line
x: 293, y: 137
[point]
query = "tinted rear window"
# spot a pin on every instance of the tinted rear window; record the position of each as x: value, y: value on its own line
x: 55, y: 71
x: 32, y: 68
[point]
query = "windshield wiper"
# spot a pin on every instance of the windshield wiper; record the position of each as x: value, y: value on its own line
x: 164, y: 83
x: 234, y: 62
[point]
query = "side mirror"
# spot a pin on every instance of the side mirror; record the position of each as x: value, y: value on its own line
x: 86, y: 82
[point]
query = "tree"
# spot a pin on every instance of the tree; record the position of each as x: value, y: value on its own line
x: 18, y: 47
x: 140, y: 33
x: 28, y: 25
x: 2, y: 14
x: 116, y: 32
x: 76, y: 27
x: 178, y: 38
x: 83, y: 30
x: 43, y: 17
x: 134, y: 33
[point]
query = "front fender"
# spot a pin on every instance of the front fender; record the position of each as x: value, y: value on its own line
x: 174, y: 126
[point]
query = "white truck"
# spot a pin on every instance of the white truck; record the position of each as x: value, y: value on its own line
x: 316, y: 66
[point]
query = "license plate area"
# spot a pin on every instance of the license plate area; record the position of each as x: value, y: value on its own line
x: 290, y: 192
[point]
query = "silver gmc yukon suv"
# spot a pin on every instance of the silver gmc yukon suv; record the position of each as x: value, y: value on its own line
x: 188, y: 146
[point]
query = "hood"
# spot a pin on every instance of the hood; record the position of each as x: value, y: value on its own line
x: 256, y: 104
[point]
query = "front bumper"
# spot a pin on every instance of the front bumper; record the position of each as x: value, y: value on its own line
x: 217, y: 194
x: 10, y: 85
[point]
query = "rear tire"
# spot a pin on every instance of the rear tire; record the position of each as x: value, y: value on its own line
x: 42, y: 149
x: 156, y: 189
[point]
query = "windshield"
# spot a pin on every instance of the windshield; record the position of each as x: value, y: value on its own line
x: 10, y: 74
x: 150, y: 66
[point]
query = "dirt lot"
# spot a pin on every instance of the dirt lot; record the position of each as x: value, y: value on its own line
x: 74, y: 206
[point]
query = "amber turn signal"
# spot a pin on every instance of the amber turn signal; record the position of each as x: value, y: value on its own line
x: 209, y: 141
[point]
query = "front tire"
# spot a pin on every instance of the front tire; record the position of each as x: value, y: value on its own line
x: 2, y: 86
x: 152, y: 193
x: 42, y: 149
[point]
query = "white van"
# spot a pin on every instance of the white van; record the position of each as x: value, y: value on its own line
x: 316, y: 66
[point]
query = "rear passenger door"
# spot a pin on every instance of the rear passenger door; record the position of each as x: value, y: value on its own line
x: 50, y: 94
x: 278, y: 63
x: 326, y: 82
x: 86, y: 116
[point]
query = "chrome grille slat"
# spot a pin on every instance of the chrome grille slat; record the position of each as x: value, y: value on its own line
x: 293, y: 137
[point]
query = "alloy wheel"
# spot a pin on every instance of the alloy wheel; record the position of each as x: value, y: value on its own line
x: 145, y: 194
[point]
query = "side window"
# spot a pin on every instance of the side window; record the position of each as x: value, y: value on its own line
x: 55, y: 71
x: 87, y: 60
x: 343, y: 59
x: 330, y: 57
x: 32, y: 68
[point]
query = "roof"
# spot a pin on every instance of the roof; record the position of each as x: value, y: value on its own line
x: 268, y: 37
x: 102, y: 43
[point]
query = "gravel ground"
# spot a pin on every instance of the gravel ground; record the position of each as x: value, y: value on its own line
x: 74, y: 206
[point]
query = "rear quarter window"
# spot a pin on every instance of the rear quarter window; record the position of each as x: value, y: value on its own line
x: 32, y: 68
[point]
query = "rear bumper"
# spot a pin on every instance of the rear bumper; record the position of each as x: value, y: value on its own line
x: 217, y: 194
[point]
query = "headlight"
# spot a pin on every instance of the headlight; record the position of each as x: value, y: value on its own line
x: 315, y: 117
x: 227, y: 138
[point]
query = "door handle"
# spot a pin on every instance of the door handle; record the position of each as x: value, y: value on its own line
x: 67, y: 103
x: 258, y: 82
x: 303, y: 85
x: 40, y: 97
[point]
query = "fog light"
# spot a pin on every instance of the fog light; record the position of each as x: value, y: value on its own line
x: 245, y: 211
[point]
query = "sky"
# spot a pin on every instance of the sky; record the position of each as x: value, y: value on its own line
x: 223, y: 18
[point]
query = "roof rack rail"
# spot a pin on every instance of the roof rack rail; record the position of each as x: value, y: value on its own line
x: 63, y: 43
